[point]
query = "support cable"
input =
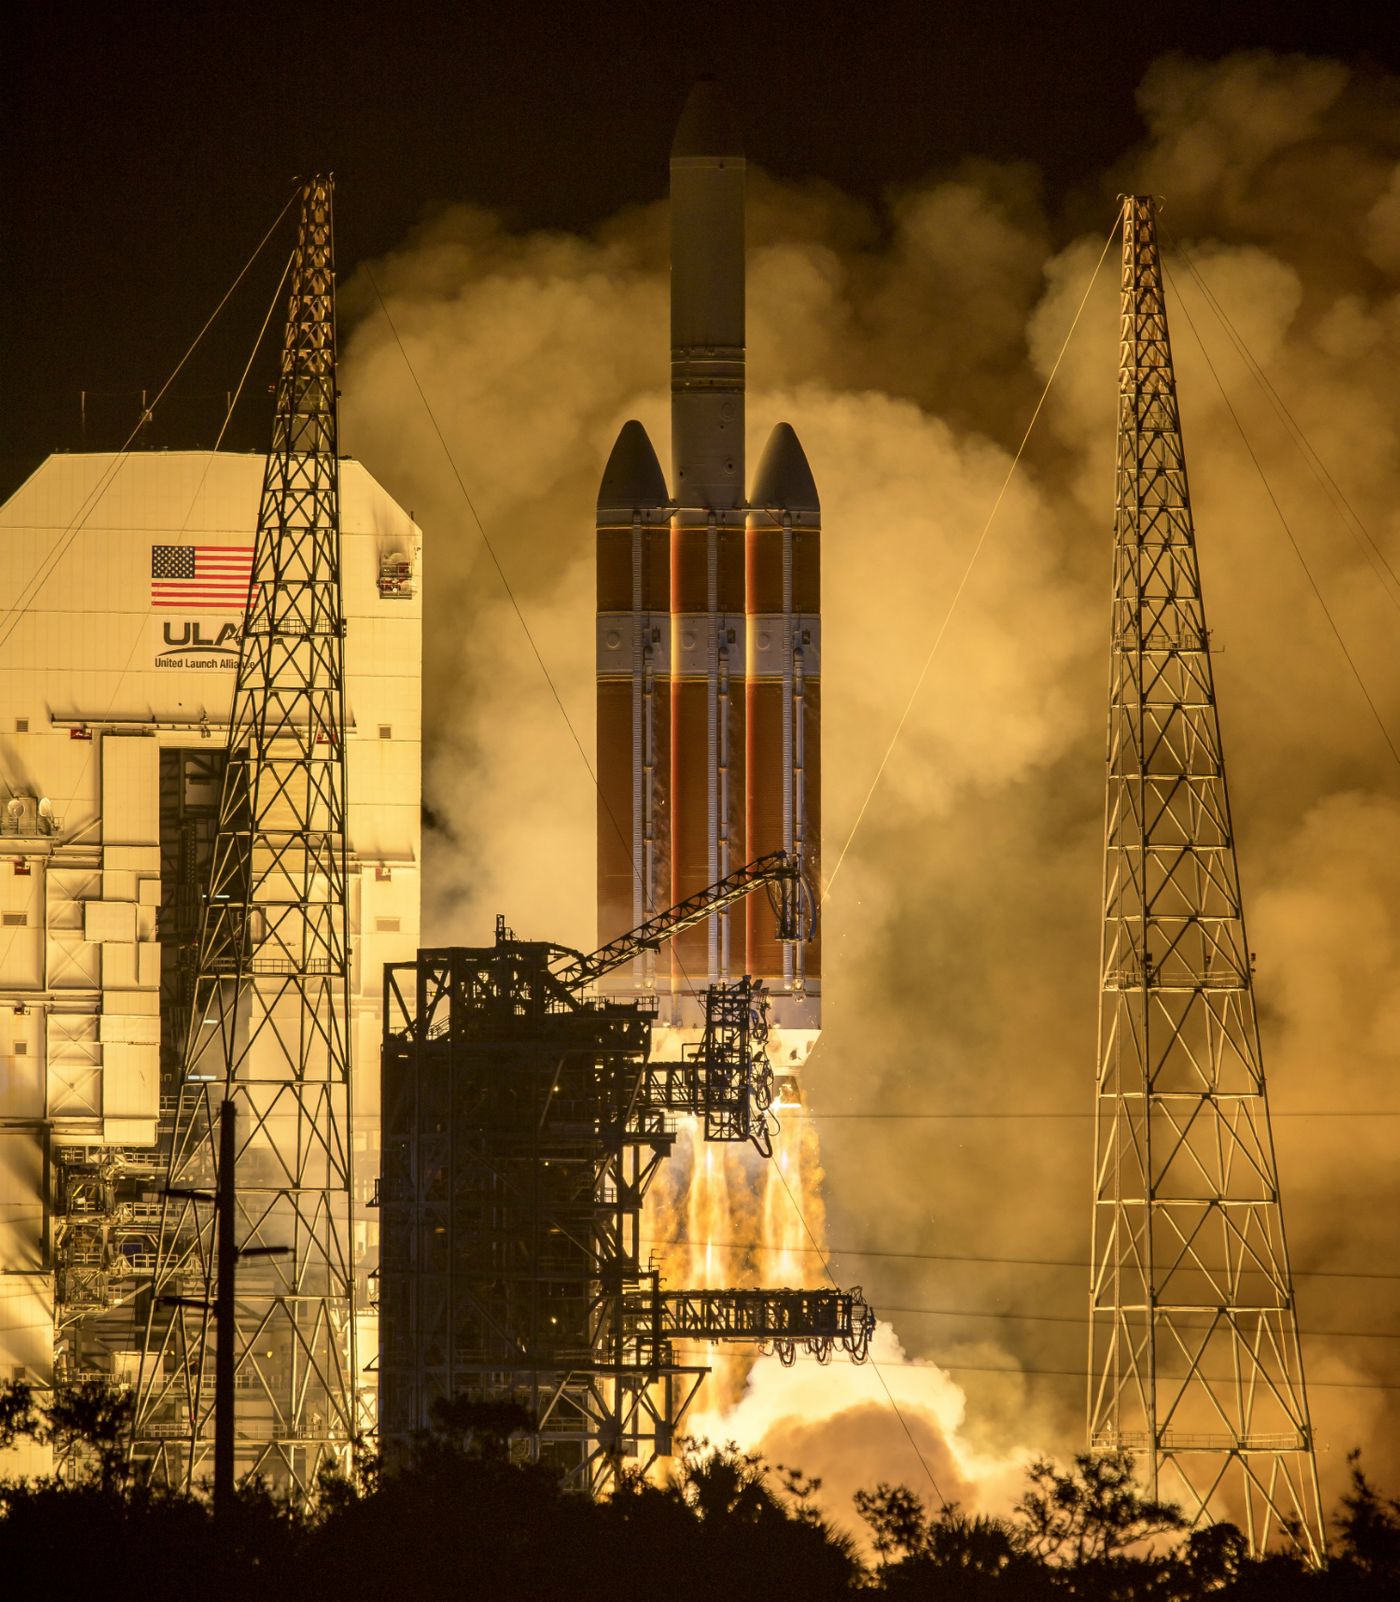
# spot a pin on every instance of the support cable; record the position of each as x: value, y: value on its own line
x: 48, y: 565
x: 971, y: 563
x: 514, y: 601
x: 1283, y: 520
x: 486, y: 541
x: 140, y: 633
x: 1319, y: 469
x: 248, y: 367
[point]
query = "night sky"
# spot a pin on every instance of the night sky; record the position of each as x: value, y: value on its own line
x: 147, y: 147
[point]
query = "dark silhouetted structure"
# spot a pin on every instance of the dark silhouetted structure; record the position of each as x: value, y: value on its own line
x: 523, y: 1122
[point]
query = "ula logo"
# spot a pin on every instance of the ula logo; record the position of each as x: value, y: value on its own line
x: 197, y: 643
x: 189, y: 636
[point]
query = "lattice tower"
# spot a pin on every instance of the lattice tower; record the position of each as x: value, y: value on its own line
x: 270, y: 1020
x: 1194, y: 1356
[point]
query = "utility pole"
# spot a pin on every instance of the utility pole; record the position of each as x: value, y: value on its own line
x: 225, y: 1305
x: 270, y: 1020
x: 1194, y: 1358
x: 227, y: 1255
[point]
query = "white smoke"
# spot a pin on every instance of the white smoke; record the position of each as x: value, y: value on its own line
x: 962, y: 932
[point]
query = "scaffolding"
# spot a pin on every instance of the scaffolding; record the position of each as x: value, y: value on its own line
x: 725, y: 1079
x: 523, y: 1124
x: 270, y: 1013
x: 1194, y: 1354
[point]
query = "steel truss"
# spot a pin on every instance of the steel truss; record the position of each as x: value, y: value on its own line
x: 522, y: 1126
x: 270, y: 1020
x: 784, y: 1321
x: 780, y: 874
x: 1194, y: 1354
x: 726, y: 1080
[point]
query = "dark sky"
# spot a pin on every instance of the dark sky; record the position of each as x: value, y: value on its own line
x: 146, y: 147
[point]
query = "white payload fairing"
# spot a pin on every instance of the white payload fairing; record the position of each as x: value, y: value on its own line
x: 709, y: 633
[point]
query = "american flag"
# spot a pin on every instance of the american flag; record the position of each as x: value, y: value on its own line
x: 201, y: 578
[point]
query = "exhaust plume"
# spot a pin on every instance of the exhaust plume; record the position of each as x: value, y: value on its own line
x: 962, y: 931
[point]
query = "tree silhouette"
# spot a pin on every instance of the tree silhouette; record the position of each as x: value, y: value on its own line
x: 1369, y: 1524
x: 463, y: 1516
x: 1091, y: 1513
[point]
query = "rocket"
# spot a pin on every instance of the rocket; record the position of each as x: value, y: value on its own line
x: 709, y: 632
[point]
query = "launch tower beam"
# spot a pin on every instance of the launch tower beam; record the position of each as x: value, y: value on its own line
x: 270, y: 1019
x: 778, y: 873
x: 1194, y: 1354
x: 816, y: 1321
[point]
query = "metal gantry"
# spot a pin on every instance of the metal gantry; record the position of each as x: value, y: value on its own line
x: 1194, y: 1355
x: 270, y: 1019
x: 783, y: 1321
x: 725, y: 1078
x: 523, y: 1124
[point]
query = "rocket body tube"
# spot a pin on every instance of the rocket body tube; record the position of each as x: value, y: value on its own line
x: 634, y: 698
x: 708, y: 648
x: 709, y: 635
x: 707, y: 737
x: 783, y: 724
x: 707, y: 307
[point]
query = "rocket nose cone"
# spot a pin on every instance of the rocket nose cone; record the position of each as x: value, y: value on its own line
x: 784, y: 479
x: 633, y: 477
x: 707, y: 126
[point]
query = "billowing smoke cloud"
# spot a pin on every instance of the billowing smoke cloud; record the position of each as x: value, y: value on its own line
x: 962, y: 929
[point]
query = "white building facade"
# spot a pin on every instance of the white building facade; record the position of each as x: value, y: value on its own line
x: 115, y: 688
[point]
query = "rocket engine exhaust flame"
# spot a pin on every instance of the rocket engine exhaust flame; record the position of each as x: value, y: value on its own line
x: 713, y: 1208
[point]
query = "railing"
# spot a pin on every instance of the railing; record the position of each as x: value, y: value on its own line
x: 783, y: 1320
x: 1151, y: 976
x: 1188, y: 1441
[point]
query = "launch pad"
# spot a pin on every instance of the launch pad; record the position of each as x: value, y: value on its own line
x: 523, y: 1122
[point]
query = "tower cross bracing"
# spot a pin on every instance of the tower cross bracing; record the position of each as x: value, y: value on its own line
x: 270, y: 1021
x: 1194, y: 1355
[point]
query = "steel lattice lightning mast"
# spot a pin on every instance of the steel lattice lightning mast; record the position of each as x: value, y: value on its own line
x: 1194, y: 1356
x: 270, y: 1022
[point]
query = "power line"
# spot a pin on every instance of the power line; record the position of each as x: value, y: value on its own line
x: 1077, y: 1374
x: 1082, y: 1264
x: 827, y: 1117
x: 1079, y: 1319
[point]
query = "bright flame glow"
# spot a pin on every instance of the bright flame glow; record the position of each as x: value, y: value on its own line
x: 721, y: 1215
